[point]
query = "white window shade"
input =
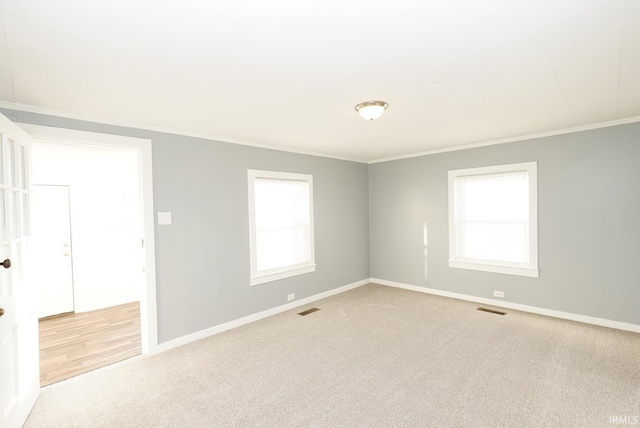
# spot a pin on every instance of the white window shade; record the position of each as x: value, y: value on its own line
x: 493, y: 216
x: 282, y: 223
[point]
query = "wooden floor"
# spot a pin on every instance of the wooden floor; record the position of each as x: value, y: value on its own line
x: 72, y: 344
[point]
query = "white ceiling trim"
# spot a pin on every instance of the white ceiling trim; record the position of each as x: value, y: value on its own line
x: 126, y: 124
x: 121, y: 123
x: 514, y: 139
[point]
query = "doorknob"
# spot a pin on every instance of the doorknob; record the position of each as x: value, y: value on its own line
x: 1, y: 312
x: 6, y: 263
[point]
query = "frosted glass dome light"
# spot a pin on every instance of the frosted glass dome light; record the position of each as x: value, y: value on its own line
x: 371, y: 110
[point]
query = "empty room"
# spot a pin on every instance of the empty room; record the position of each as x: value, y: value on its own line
x: 346, y: 214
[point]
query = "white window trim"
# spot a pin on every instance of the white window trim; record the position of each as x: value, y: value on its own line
x: 523, y: 269
x: 261, y: 277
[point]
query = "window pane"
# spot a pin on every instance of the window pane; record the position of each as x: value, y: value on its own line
x: 282, y: 247
x: 492, y: 215
x: 26, y: 215
x: 494, y: 197
x: 18, y: 207
x: 281, y: 203
x: 282, y: 223
x: 10, y: 217
x: 11, y: 162
x: 3, y: 224
x: 23, y: 168
x: 2, y: 166
x: 495, y: 241
x: 18, y: 166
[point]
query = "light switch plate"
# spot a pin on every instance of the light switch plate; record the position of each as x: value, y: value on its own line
x: 164, y: 218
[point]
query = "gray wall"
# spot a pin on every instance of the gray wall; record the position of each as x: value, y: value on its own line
x: 588, y: 223
x: 202, y: 259
x: 588, y: 231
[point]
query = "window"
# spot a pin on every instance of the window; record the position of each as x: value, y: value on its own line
x: 493, y: 219
x: 280, y: 225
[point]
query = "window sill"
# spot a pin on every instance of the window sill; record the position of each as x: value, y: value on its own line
x: 282, y: 273
x: 495, y: 268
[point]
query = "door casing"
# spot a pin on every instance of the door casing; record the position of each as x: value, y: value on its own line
x: 148, y: 307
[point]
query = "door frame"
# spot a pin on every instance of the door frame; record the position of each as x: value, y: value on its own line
x: 148, y: 303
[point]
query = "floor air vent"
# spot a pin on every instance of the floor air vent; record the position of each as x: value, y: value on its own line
x: 491, y: 311
x: 308, y: 311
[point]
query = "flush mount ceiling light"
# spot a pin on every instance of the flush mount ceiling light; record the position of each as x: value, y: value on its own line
x: 371, y: 110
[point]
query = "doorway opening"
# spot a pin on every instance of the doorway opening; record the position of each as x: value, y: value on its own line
x: 96, y: 264
x: 86, y: 242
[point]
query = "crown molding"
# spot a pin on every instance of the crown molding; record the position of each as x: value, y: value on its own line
x: 513, y: 139
x: 223, y: 139
x: 126, y: 124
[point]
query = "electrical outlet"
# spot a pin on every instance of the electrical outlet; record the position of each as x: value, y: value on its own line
x: 291, y: 297
x: 498, y: 293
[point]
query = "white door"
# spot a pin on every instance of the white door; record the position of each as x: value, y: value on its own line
x: 19, y: 367
x: 51, y: 249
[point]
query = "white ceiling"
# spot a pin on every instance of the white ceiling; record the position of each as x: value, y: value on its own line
x: 288, y: 73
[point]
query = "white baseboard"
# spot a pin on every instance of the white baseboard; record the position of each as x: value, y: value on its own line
x: 165, y: 346
x: 516, y: 306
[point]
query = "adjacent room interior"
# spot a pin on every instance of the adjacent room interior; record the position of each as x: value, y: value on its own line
x: 363, y: 214
x: 87, y: 244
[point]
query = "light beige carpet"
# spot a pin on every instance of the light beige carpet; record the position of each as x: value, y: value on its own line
x: 371, y: 357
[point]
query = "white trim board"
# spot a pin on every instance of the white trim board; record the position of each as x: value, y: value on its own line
x: 231, y: 140
x: 602, y: 322
x: 165, y: 130
x: 211, y: 331
x: 511, y: 139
